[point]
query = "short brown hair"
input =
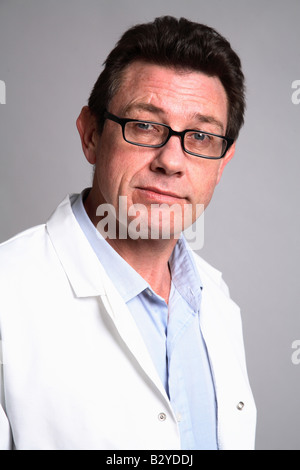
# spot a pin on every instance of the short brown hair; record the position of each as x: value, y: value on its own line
x: 178, y: 43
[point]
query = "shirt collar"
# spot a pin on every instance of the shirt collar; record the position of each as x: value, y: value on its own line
x: 184, y: 274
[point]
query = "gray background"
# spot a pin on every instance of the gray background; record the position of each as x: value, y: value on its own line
x: 51, y: 54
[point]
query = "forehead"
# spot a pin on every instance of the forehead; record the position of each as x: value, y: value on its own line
x: 173, y: 93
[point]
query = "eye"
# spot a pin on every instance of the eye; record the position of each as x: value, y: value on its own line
x: 144, y: 126
x: 200, y: 136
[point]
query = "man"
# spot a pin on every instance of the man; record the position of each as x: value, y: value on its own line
x: 126, y: 339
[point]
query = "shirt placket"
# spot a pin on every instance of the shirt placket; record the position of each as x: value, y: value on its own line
x: 178, y: 324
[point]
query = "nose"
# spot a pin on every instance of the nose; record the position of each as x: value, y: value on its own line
x: 170, y: 159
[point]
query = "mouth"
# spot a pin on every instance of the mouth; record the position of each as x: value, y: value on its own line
x: 157, y: 194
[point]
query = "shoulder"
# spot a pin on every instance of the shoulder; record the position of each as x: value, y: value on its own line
x: 19, y: 244
x: 27, y: 246
x: 21, y: 257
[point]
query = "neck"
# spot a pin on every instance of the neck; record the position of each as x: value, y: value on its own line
x: 150, y: 259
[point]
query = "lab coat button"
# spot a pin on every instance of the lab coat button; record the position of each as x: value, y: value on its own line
x: 162, y: 416
x: 240, y: 406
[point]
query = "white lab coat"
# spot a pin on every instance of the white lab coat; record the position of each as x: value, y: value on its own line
x: 76, y: 373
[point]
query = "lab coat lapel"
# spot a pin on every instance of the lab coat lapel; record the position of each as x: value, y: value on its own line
x: 129, y: 332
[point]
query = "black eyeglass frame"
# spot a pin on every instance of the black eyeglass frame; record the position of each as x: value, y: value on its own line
x: 124, y: 121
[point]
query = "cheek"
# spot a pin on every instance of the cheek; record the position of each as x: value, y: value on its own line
x: 106, y: 172
x: 204, y: 180
x: 115, y: 168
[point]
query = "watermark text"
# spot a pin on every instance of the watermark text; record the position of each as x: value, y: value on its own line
x: 152, y: 222
x: 2, y: 92
x: 151, y: 459
x: 296, y: 93
x: 296, y: 354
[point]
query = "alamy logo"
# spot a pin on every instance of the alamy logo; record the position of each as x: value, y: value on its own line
x: 296, y: 94
x: 2, y: 92
x: 296, y: 353
x: 159, y: 221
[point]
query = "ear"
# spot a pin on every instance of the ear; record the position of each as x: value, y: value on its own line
x: 87, y: 128
x: 224, y: 161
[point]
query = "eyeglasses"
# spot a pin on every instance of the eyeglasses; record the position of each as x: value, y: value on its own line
x: 156, y: 135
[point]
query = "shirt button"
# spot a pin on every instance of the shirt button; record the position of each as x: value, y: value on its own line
x: 149, y: 292
x: 240, y: 406
x: 162, y: 416
x: 178, y: 417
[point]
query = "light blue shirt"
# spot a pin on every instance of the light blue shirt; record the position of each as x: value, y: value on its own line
x: 171, y: 332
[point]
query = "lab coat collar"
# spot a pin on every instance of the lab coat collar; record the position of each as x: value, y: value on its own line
x: 77, y: 257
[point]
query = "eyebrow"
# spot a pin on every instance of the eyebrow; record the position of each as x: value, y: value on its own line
x: 142, y: 107
x: 202, y: 118
x: 209, y: 120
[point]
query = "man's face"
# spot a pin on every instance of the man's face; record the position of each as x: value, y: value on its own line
x: 182, y: 100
